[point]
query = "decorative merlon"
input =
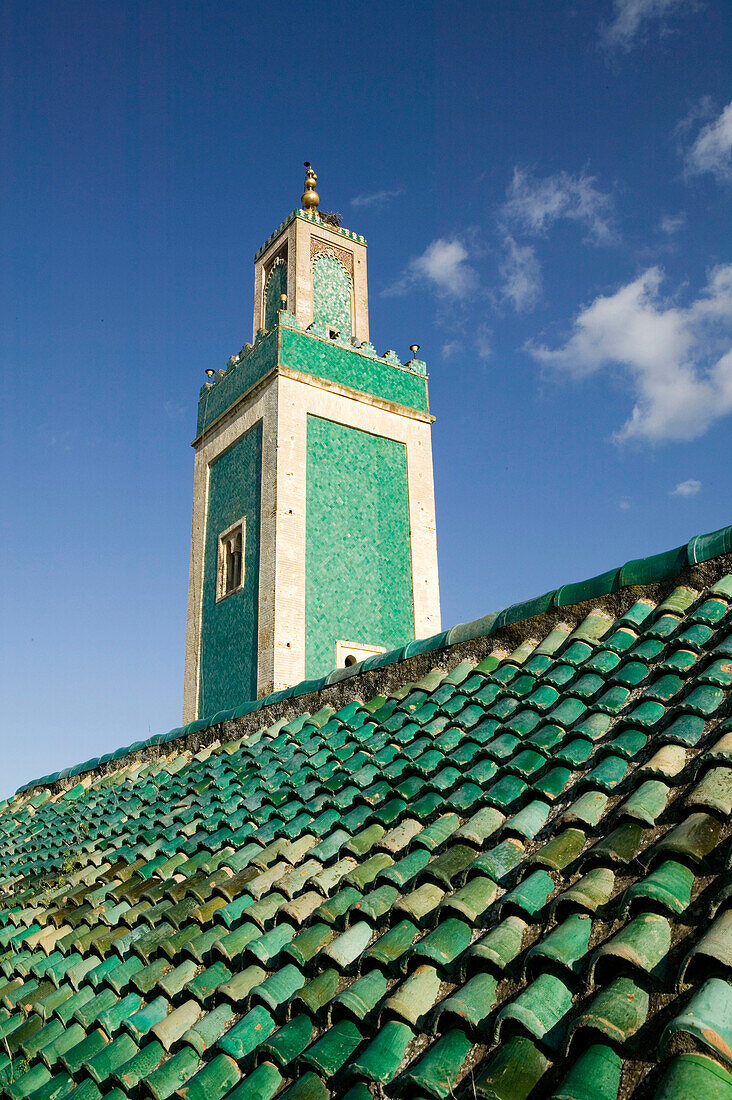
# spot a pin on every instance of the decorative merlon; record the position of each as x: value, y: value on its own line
x: 317, y: 331
x: 316, y: 219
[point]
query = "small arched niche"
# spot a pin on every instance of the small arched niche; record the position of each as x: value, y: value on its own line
x: 273, y: 291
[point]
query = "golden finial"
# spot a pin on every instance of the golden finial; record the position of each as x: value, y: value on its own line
x: 310, y: 198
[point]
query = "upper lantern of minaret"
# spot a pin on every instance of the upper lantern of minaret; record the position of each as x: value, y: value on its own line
x: 316, y: 269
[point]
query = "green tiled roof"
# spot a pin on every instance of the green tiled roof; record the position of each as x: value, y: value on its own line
x: 651, y: 570
x: 508, y: 879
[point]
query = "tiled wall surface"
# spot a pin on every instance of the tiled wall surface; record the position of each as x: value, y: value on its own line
x: 276, y: 287
x: 302, y: 351
x: 216, y: 399
x: 358, y: 560
x: 331, y: 293
x: 349, y: 367
x: 229, y: 627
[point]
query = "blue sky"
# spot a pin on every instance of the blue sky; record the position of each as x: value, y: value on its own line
x: 545, y: 192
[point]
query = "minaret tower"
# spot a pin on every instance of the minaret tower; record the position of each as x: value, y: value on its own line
x: 313, y: 541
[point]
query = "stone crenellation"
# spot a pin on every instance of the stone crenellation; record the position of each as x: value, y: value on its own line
x: 316, y: 220
x: 318, y: 330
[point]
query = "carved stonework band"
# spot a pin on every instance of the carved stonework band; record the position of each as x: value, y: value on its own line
x: 318, y: 247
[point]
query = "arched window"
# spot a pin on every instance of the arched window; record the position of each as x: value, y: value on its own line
x: 332, y: 294
x: 275, y: 288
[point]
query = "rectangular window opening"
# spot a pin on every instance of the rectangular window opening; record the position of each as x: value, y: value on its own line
x: 230, y: 573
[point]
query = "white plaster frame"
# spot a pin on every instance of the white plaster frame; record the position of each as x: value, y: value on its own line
x: 221, y: 592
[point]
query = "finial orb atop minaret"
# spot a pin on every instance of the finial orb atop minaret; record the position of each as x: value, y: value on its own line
x: 310, y: 198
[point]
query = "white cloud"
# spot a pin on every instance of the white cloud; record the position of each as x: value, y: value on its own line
x: 671, y: 224
x: 678, y: 360
x: 624, y: 504
x: 711, y: 151
x: 377, y: 198
x: 443, y: 266
x: 688, y: 488
x: 533, y: 205
x: 443, y: 263
x: 174, y: 410
x: 452, y: 347
x: 520, y: 272
x: 701, y: 111
x: 483, y: 344
x: 631, y: 19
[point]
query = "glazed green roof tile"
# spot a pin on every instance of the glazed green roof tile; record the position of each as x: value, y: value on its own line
x: 669, y: 886
x: 513, y: 1072
x: 714, y: 792
x: 391, y: 946
x: 594, y: 1076
x: 561, y: 850
x: 333, y: 1049
x: 443, y: 944
x: 411, y: 1000
x: 694, y: 1076
x: 530, y: 895
x: 261, y: 1084
x: 499, y: 947
x: 615, y: 1013
x: 641, y: 945
x: 706, y: 1023
x: 469, y: 885
x: 360, y: 999
x: 539, y: 1010
x: 714, y: 947
x: 693, y: 840
x: 566, y: 945
x: 436, y: 1072
x: 380, y: 1060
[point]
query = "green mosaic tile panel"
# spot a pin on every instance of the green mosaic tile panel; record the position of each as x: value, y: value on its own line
x: 347, y: 366
x: 229, y: 626
x: 331, y: 294
x: 216, y: 399
x: 358, y: 571
x: 276, y: 287
x: 308, y: 353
